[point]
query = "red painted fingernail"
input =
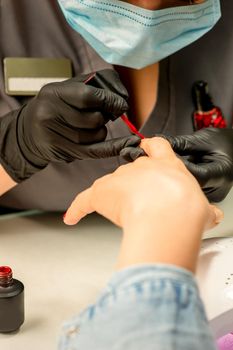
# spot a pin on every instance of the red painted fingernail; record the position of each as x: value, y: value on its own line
x: 64, y: 215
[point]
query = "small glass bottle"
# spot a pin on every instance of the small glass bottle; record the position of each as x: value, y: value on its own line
x: 206, y: 114
x: 11, y: 301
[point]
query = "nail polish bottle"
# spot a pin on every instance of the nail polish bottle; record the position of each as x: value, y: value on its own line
x: 11, y: 301
x: 206, y: 114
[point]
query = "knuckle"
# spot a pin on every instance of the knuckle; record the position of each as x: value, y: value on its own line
x: 97, y: 120
x: 179, y: 163
x: 123, y: 168
x: 42, y: 111
x: 96, y: 187
x: 142, y: 161
x: 161, y: 141
x: 96, y: 184
x: 47, y: 90
x: 84, y: 95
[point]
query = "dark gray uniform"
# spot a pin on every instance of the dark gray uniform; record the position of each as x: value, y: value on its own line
x: 38, y: 29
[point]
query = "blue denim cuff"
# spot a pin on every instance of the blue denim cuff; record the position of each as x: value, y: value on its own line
x: 140, y: 273
x: 143, y: 305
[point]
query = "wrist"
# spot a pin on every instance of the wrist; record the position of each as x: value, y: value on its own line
x: 164, y: 238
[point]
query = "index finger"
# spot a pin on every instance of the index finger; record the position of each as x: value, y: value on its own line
x: 157, y: 148
x: 82, y: 96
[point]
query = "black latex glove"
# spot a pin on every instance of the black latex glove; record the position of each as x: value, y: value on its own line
x: 210, y: 159
x: 64, y: 122
x: 208, y: 154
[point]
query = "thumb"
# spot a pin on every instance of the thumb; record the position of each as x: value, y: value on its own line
x: 183, y: 145
x: 79, y: 208
x: 204, y: 172
x: 214, y: 218
x: 109, y: 148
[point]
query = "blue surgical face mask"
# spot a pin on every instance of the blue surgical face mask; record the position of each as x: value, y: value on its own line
x: 131, y: 36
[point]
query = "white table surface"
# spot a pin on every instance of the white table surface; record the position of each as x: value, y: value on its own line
x: 63, y: 269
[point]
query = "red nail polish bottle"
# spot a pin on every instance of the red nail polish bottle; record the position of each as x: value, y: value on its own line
x: 11, y: 301
x: 206, y: 114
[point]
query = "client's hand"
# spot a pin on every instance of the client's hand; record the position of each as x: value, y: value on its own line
x: 148, y: 186
x: 159, y: 204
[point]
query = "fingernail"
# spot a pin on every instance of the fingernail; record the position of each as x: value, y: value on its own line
x: 64, y: 215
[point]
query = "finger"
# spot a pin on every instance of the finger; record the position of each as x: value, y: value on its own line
x: 132, y: 153
x: 111, y: 102
x: 68, y: 151
x: 79, y: 136
x: 157, y: 148
x: 79, y: 208
x: 183, y: 145
x: 111, y: 148
x: 204, y: 172
x: 215, y: 193
x: 82, y: 119
x: 84, y: 96
x: 109, y: 79
x: 215, y: 216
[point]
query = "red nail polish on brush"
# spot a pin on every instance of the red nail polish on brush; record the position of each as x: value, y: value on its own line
x: 131, y: 126
x: 98, y: 81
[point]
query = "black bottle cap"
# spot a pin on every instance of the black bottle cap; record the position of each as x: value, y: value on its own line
x: 201, y: 98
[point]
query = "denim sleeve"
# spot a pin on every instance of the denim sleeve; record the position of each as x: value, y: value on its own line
x: 144, y: 307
